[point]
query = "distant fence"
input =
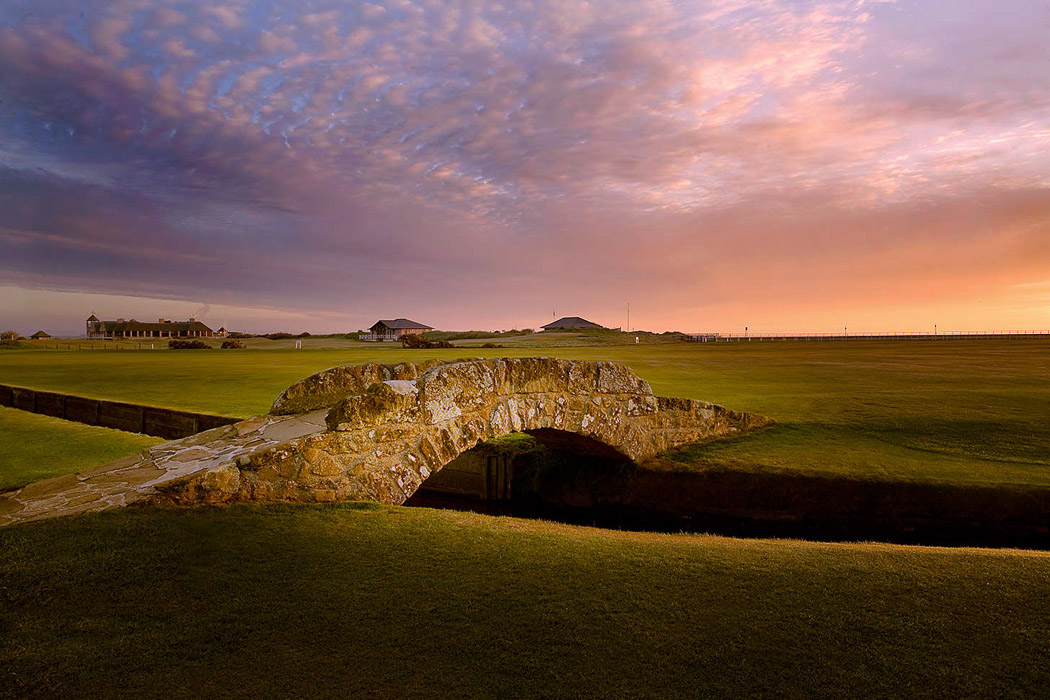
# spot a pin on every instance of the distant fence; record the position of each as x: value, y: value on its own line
x: 159, y: 422
x: 156, y: 344
x: 946, y: 335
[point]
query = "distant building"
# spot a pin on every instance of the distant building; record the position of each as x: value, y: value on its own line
x: 222, y: 332
x: 394, y: 329
x: 570, y: 323
x: 97, y: 329
x: 41, y: 335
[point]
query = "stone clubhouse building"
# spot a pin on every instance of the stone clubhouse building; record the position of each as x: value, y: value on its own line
x: 163, y: 328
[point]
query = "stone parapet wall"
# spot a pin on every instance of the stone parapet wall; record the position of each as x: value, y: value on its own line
x: 325, y: 389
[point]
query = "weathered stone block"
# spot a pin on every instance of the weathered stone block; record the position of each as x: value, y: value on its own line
x: 382, y: 403
x: 331, y: 386
x: 324, y: 465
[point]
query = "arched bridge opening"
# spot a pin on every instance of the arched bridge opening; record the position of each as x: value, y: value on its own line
x: 527, y: 473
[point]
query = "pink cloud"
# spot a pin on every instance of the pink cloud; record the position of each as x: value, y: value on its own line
x: 225, y: 14
x: 205, y: 34
x: 164, y: 17
x: 107, y: 34
x: 177, y: 49
x: 651, y: 141
x: 270, y: 43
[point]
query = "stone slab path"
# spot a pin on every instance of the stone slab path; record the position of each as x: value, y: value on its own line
x: 135, y: 479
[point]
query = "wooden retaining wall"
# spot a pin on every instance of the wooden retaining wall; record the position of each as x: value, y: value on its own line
x: 946, y: 335
x: 159, y: 422
x: 587, y: 490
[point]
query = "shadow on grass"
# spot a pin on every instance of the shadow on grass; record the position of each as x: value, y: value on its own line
x: 380, y: 601
x: 693, y: 491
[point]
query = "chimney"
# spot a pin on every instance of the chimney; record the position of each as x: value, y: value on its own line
x: 120, y: 320
x: 160, y: 320
x: 192, y: 319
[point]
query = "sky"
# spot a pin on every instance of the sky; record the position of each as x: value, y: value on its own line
x: 786, y: 165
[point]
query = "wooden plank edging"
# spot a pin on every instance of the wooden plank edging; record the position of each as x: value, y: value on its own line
x: 160, y: 422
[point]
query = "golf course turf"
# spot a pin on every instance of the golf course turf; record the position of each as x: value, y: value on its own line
x: 366, y: 600
x: 34, y: 447
x: 970, y: 412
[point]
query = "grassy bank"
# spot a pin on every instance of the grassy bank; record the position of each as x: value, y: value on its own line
x: 34, y: 447
x: 970, y: 412
x: 370, y: 600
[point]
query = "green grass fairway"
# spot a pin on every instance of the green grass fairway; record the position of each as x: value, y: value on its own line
x: 960, y: 411
x: 364, y: 600
x: 34, y: 447
x: 548, y: 339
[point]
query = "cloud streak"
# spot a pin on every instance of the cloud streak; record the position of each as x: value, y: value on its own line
x: 284, y: 154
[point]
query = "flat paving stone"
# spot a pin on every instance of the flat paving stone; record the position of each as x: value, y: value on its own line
x: 137, y: 475
x: 49, y: 487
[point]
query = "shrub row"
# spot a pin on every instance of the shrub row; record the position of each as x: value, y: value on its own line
x: 188, y: 345
x: 418, y: 341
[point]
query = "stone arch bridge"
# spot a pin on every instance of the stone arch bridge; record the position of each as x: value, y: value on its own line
x: 377, y: 431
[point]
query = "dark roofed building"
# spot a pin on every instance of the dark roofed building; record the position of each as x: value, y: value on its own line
x: 41, y: 335
x: 163, y: 328
x: 570, y: 322
x: 392, y: 329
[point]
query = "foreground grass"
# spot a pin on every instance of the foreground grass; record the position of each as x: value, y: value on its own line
x: 951, y: 411
x: 360, y: 599
x: 34, y: 447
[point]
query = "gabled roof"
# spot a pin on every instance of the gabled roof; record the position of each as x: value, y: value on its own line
x: 398, y: 324
x: 93, y: 317
x: 570, y: 322
x: 41, y: 334
x: 121, y: 326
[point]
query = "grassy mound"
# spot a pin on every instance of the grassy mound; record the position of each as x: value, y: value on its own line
x: 359, y: 599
